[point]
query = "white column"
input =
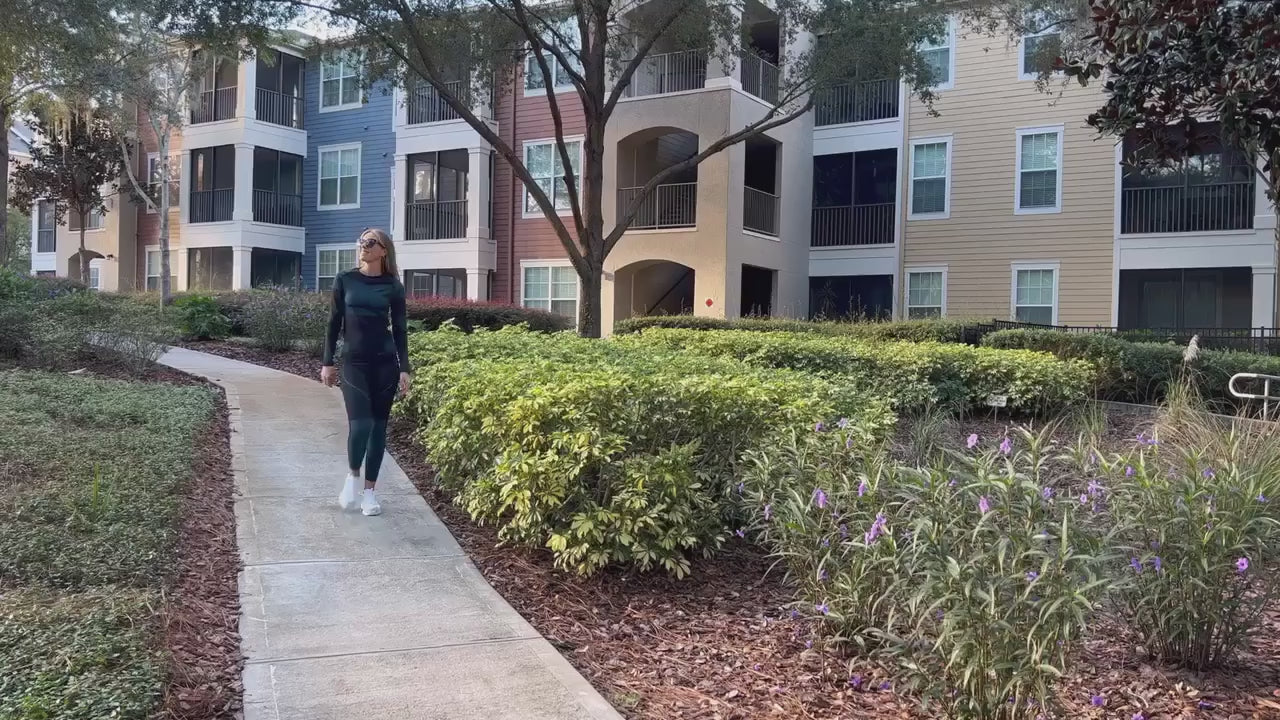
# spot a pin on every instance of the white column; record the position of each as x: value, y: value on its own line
x: 477, y: 282
x: 399, y: 196
x: 478, y: 194
x: 248, y: 90
x: 243, y: 209
x: 241, y: 268
x: 718, y: 75
x: 401, y: 111
x: 183, y: 268
x: 1264, y: 297
x: 35, y: 233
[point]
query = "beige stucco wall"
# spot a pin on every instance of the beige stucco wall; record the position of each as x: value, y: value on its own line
x: 983, y: 236
x: 115, y: 242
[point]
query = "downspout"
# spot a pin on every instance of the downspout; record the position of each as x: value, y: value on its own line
x: 511, y: 207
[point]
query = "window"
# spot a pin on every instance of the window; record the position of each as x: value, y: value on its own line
x: 930, y: 178
x: 95, y: 276
x: 46, y: 228
x: 1041, y: 46
x: 330, y: 262
x: 1038, y: 187
x: 926, y: 293
x: 436, y: 283
x: 340, y: 82
x: 210, y: 268
x: 153, y: 179
x: 340, y: 177
x: 553, y: 288
x: 939, y: 54
x: 534, y: 82
x: 544, y: 162
x: 1035, y: 294
x: 95, y: 220
x: 154, y: 270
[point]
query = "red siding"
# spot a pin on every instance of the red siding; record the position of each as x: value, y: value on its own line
x: 535, y: 239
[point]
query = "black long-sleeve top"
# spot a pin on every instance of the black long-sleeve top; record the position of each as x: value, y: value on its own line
x: 369, y: 312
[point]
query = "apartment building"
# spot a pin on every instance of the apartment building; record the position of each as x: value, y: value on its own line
x: 1016, y: 209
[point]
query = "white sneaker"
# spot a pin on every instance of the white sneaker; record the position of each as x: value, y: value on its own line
x: 369, y: 506
x: 347, y: 498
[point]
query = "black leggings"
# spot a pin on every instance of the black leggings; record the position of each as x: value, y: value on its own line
x: 369, y: 389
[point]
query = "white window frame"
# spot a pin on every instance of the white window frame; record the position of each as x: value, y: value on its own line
x: 1060, y: 131
x: 146, y: 268
x: 950, y: 37
x: 911, y: 178
x: 1022, y: 52
x: 531, y: 62
x: 524, y: 156
x: 550, y: 265
x: 320, y: 152
x: 331, y: 247
x: 348, y: 60
x: 95, y: 268
x: 1017, y: 267
x: 906, y: 287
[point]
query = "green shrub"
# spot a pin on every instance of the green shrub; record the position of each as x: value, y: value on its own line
x: 427, y: 314
x: 281, y: 319
x: 911, y: 330
x: 604, y: 454
x: 200, y: 318
x: 977, y: 578
x: 1199, y: 533
x: 912, y: 375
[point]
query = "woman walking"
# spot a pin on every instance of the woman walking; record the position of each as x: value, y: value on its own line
x: 368, y: 310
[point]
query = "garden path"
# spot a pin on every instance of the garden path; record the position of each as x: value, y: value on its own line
x: 344, y: 616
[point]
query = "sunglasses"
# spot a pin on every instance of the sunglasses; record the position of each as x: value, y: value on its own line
x: 367, y: 242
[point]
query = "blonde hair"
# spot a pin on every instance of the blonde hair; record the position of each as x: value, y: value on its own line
x: 389, y: 266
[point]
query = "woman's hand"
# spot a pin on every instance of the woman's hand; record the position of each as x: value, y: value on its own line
x: 404, y: 384
x: 329, y: 375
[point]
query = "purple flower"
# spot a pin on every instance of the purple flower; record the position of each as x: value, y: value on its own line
x: 1047, y: 493
x: 1205, y: 705
x: 844, y: 530
x: 822, y: 575
x: 742, y: 488
x: 826, y: 542
x: 1136, y: 564
x: 856, y: 681
x: 1128, y: 471
x: 740, y: 533
x: 820, y: 497
x: 952, y: 483
x: 1098, y: 700
x: 876, y: 530
x: 862, y: 488
x: 1006, y: 446
x: 820, y: 426
x: 843, y: 424
x: 1084, y: 499
x: 885, y: 685
x: 1242, y: 565
x: 984, y: 506
x: 795, y: 614
x: 1261, y: 498
x: 822, y: 608
x: 1157, y: 563
x: 768, y: 511
x: 1138, y: 716
x: 1209, y: 473
x: 756, y: 667
x: 972, y: 442
x: 848, y: 443
x: 1032, y: 575
x: 1145, y: 439
x: 1095, y: 488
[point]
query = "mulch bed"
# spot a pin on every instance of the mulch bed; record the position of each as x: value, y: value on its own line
x: 202, y: 611
x: 721, y: 645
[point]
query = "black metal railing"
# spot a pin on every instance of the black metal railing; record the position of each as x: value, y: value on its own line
x: 857, y: 102
x: 214, y: 105
x: 669, y: 73
x: 278, y: 109
x: 1263, y: 340
x: 673, y: 205
x: 277, y: 208
x: 760, y: 77
x: 760, y: 211
x: 212, y: 205
x: 46, y: 240
x: 852, y: 225
x: 1187, y: 208
x: 424, y: 104
x: 438, y: 220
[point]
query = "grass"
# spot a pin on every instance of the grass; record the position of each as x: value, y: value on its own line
x: 94, y: 472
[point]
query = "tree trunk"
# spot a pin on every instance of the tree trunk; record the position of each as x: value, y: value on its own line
x: 589, y: 318
x: 6, y: 252
x: 165, y: 170
x: 84, y: 257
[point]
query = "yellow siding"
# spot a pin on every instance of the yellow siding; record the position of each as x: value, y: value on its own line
x: 983, y: 236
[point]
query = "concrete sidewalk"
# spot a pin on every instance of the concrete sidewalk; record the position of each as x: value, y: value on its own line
x: 346, y: 617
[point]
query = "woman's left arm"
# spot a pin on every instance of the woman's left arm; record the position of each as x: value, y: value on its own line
x: 400, y: 327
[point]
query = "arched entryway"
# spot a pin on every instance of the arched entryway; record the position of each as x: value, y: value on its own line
x: 73, y: 266
x: 653, y: 287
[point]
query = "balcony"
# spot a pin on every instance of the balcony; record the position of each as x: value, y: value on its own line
x: 760, y: 211
x: 277, y: 208
x: 424, y: 104
x: 760, y: 77
x: 46, y: 240
x: 671, y: 72
x: 1187, y: 208
x: 857, y: 102
x: 214, y: 105
x: 851, y: 225
x: 672, y: 205
x: 212, y: 205
x: 277, y: 108
x: 435, y: 220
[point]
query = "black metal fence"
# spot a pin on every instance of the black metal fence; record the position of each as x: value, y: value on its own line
x: 1262, y: 340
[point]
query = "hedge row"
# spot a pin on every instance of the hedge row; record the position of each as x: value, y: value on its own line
x: 1141, y: 372
x: 605, y: 454
x: 910, y: 330
x: 912, y: 375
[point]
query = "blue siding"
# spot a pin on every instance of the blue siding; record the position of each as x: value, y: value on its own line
x: 370, y: 125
